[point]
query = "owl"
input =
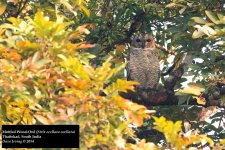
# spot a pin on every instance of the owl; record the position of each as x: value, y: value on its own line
x: 143, y: 62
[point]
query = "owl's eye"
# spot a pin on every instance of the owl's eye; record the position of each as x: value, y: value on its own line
x: 148, y: 40
x: 138, y: 40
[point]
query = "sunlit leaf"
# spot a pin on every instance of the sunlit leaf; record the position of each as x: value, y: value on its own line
x: 194, y: 89
x: 42, y: 119
x: 81, y: 4
x: 203, y: 29
x: 200, y: 100
x: 199, y: 20
x: 212, y: 17
x: 120, y: 85
x: 3, y: 7
x: 68, y: 6
x: 87, y: 12
x: 75, y: 67
x: 170, y: 5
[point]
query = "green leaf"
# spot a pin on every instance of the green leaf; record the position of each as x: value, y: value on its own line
x: 183, y: 99
x: 200, y: 85
x: 3, y: 111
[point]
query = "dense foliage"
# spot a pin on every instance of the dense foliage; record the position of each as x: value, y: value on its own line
x: 62, y: 62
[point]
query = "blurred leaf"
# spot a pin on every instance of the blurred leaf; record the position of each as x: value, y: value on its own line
x: 221, y: 17
x: 194, y: 89
x: 170, y: 5
x: 120, y: 86
x: 203, y: 29
x: 68, y: 6
x: 199, y: 20
x: 87, y: 12
x: 197, y: 34
x: 36, y: 57
x: 81, y: 4
x: 183, y: 99
x: 42, y: 119
x: 42, y: 62
x: 200, y: 100
x: 3, y: 7
x: 212, y: 17
x: 73, y: 66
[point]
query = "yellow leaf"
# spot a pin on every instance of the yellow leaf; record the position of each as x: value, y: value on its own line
x: 168, y: 128
x: 120, y: 48
x: 120, y: 85
x: 138, y: 120
x: 68, y: 6
x: 197, y: 34
x: 194, y: 89
x: 73, y: 65
x: 222, y: 141
x: 81, y: 4
x: 170, y: 5
x: 87, y: 12
x: 212, y: 17
x: 120, y: 142
x: 199, y: 20
x: 200, y: 100
x: 2, y: 8
x: 42, y: 119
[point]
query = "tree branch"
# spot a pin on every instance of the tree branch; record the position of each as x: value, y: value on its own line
x: 137, y: 20
x: 165, y: 50
x: 21, y: 7
x: 176, y: 76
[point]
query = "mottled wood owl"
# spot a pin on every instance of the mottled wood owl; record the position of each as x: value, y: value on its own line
x: 143, y: 62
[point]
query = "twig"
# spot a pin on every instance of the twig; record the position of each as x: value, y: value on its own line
x: 169, y: 70
x: 165, y: 50
x: 221, y: 118
x: 21, y: 7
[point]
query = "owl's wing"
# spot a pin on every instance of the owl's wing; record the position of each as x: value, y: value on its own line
x: 128, y: 66
x: 128, y: 71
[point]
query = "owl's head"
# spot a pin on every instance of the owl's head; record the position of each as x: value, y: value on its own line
x: 143, y: 41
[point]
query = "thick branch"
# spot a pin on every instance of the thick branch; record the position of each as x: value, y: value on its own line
x: 176, y: 76
x: 137, y: 21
